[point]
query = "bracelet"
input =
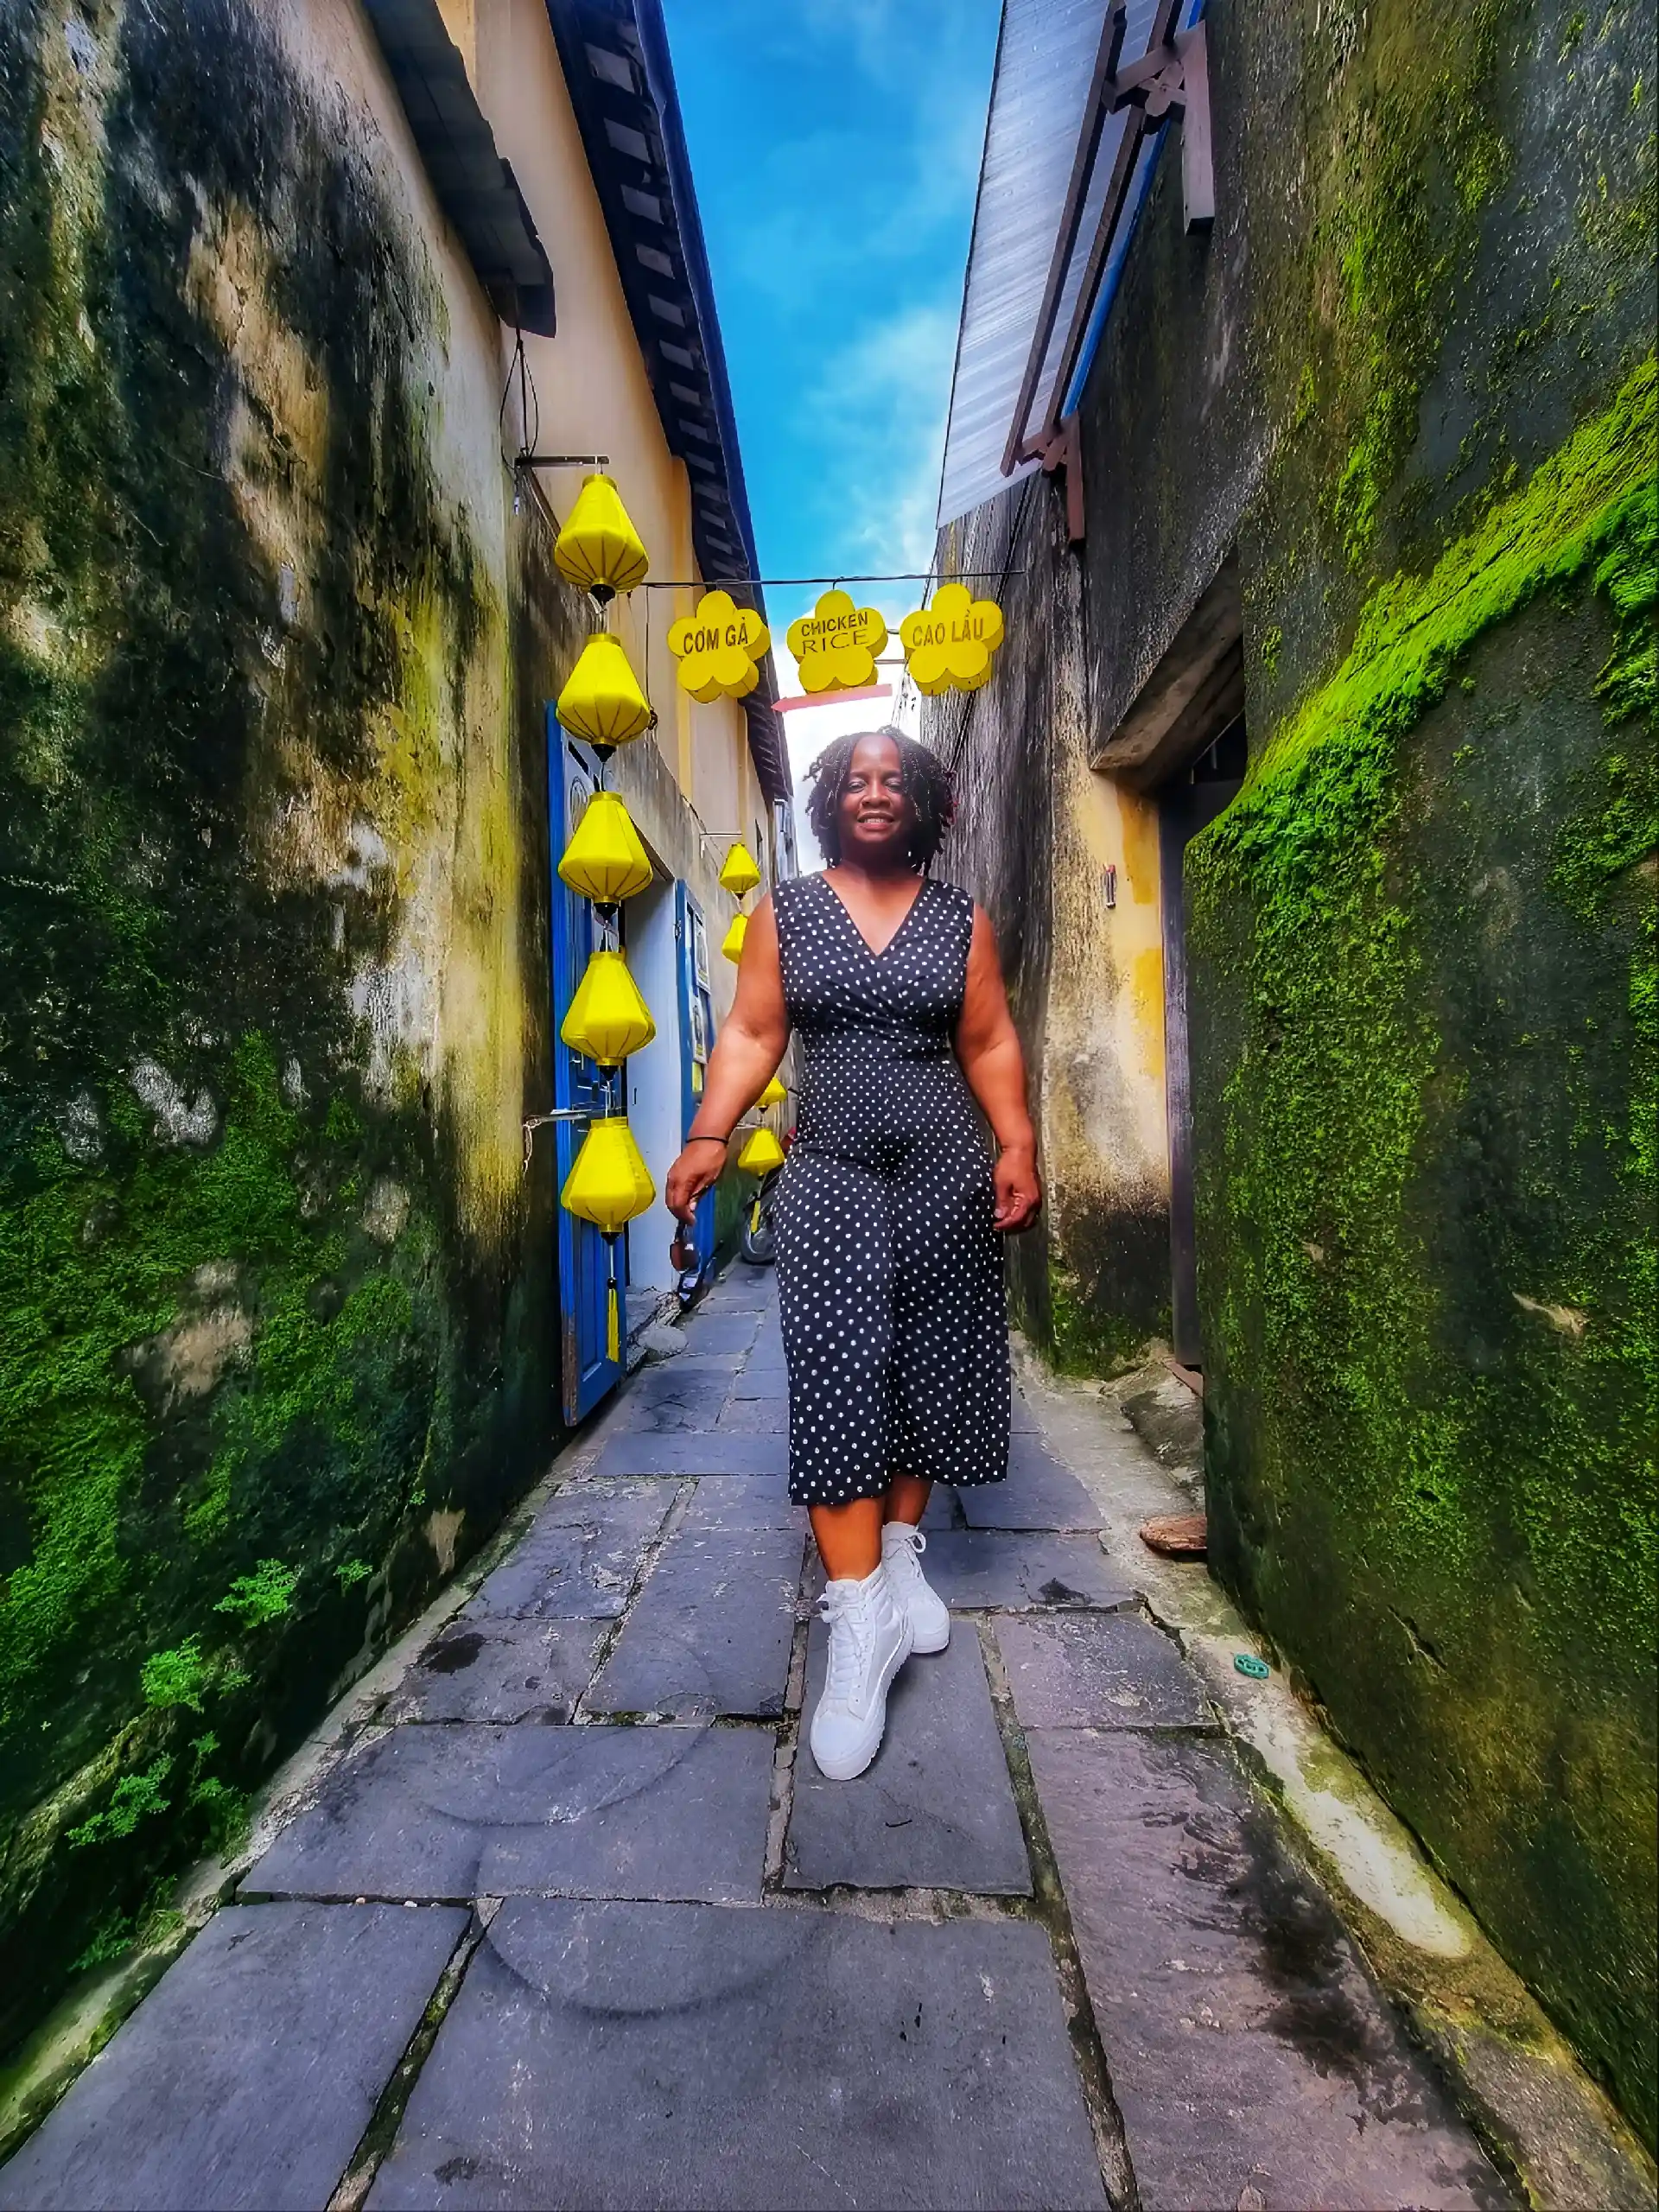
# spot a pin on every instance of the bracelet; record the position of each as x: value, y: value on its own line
x: 710, y: 1139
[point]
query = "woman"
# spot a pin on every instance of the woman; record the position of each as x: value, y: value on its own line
x: 889, y: 1274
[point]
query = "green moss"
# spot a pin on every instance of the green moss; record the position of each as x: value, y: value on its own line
x: 1090, y: 1335
x: 1390, y: 238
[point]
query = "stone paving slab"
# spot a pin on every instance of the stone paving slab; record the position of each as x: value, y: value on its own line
x: 935, y: 1810
x: 1021, y: 1419
x: 275, y: 2013
x: 1014, y: 1573
x: 1099, y: 1670
x: 762, y: 1383
x: 1039, y: 1493
x: 467, y: 1812
x: 673, y: 1397
x: 764, y: 1416
x: 721, y: 1332
x: 742, y: 1290
x: 581, y: 1556
x: 677, y: 1454
x: 710, y: 1632
x: 501, y: 1670
x: 665, y: 2056
x: 1248, y: 2048
x: 744, y: 1502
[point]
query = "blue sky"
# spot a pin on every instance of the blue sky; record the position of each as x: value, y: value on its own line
x: 836, y: 146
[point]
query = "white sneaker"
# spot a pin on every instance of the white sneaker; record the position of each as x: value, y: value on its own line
x: 929, y: 1622
x: 869, y: 1642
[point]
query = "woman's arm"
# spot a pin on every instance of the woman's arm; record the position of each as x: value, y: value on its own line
x: 745, y: 1058
x: 988, y: 1048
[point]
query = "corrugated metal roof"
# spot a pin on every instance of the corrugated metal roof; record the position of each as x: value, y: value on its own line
x: 1045, y: 66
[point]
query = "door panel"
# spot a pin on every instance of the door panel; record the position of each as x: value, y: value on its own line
x: 696, y: 1040
x: 588, y: 1371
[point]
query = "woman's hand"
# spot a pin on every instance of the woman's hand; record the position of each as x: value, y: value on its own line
x: 1018, y: 1193
x: 697, y: 1169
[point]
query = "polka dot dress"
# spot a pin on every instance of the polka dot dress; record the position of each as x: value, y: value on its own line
x: 889, y: 1270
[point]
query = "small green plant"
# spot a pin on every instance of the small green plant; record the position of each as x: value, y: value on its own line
x: 227, y: 1808
x: 1307, y: 397
x: 113, y: 1939
x: 1271, y: 640
x: 350, y: 1572
x: 134, y: 1797
x: 121, y: 1932
x: 177, y: 1677
x: 264, y: 1595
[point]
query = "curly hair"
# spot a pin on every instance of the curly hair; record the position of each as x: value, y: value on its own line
x: 926, y: 782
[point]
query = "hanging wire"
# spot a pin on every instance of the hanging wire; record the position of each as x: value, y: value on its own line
x: 529, y: 399
x: 884, y: 576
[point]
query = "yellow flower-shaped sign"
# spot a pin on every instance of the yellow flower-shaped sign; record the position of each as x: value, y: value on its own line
x: 836, y: 644
x: 718, y: 648
x: 950, y: 645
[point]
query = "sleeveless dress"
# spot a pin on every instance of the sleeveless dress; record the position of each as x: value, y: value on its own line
x: 889, y: 1270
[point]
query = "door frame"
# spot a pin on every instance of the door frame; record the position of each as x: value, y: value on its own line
x: 587, y: 1371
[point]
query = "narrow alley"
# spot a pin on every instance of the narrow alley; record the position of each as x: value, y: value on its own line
x: 561, y: 1918
x: 828, y: 1193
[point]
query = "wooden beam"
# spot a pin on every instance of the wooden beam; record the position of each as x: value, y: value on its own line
x: 1196, y: 690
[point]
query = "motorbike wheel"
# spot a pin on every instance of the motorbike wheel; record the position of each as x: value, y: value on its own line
x: 757, y: 1244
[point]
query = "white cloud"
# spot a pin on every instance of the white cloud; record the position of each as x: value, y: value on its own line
x: 878, y: 411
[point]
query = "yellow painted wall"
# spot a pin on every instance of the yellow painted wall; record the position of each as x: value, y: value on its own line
x: 594, y: 393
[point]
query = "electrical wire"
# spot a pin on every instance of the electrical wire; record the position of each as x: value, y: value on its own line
x: 889, y: 577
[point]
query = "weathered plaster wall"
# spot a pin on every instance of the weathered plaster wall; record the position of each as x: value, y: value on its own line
x: 275, y: 1345
x: 1036, y: 830
x: 1409, y: 377
x: 1423, y: 1005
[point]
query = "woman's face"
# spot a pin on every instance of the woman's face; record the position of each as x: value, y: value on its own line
x: 876, y: 815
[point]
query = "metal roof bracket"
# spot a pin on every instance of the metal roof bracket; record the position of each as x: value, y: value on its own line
x: 1173, y: 80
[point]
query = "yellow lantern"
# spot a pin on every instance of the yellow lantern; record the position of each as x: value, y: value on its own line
x: 598, y: 549
x: 718, y: 648
x: 732, y: 943
x: 607, y: 1018
x: 605, y: 860
x: 761, y: 1153
x: 836, y: 644
x: 607, y: 1184
x: 602, y: 700
x: 738, y: 871
x: 773, y: 1095
x: 950, y: 645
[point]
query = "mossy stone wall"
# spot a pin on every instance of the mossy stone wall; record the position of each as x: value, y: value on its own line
x: 276, y: 1300
x: 1407, y: 381
x: 1423, y: 994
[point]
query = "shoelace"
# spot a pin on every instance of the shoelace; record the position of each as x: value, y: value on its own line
x: 906, y: 1554
x: 849, y: 1642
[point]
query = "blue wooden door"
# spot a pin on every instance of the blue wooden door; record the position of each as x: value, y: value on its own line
x: 588, y: 1372
x: 696, y: 1040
